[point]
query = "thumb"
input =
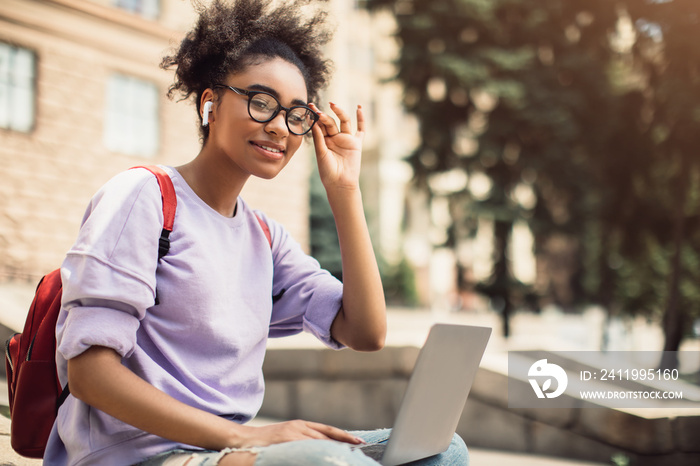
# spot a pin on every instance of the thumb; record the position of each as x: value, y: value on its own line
x: 319, y: 141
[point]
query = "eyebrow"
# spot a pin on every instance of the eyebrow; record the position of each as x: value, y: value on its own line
x: 269, y: 90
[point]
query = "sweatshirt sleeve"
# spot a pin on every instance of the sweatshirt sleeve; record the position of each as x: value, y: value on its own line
x: 109, y: 274
x: 305, y: 296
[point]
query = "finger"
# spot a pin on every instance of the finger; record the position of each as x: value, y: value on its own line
x: 328, y: 125
x: 299, y: 430
x: 316, y: 435
x: 334, y: 433
x: 345, y: 123
x: 325, y: 122
x: 319, y: 140
x: 360, y: 121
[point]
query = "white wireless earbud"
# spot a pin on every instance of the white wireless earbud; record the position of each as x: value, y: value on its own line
x: 206, y: 111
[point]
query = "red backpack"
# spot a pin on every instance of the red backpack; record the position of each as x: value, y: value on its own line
x: 30, y: 357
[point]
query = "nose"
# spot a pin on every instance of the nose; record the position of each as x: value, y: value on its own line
x: 278, y: 125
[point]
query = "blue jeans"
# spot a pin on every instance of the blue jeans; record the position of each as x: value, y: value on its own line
x: 455, y: 455
x: 315, y: 453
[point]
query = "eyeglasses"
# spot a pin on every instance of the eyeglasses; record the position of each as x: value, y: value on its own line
x: 264, y: 107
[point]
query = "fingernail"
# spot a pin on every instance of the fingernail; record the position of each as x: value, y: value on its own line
x: 359, y: 440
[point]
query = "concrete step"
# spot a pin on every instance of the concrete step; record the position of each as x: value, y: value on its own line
x: 482, y: 457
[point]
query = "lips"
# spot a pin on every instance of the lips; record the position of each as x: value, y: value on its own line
x: 269, y: 147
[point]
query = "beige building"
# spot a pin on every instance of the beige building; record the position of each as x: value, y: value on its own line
x: 82, y: 98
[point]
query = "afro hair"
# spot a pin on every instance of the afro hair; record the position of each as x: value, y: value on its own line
x: 230, y: 35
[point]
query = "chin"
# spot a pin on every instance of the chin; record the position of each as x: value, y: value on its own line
x: 268, y: 174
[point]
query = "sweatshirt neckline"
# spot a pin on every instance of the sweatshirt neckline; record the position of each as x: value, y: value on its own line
x: 189, y: 192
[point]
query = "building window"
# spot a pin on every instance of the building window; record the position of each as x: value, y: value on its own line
x: 147, y: 8
x: 131, y: 120
x: 17, y: 88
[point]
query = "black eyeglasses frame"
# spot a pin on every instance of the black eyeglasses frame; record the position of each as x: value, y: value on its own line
x: 280, y: 107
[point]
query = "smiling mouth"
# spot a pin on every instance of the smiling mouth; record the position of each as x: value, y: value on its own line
x: 269, y: 149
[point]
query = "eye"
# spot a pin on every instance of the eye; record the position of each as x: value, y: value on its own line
x: 297, y: 118
x: 263, y: 103
x: 299, y: 115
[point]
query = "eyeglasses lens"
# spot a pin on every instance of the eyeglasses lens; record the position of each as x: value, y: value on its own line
x: 264, y: 107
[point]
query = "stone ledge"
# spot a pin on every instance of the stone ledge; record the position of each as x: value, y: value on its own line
x: 344, y: 364
x: 360, y: 391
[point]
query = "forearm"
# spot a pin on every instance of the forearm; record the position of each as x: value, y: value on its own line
x: 98, y: 378
x: 361, y: 323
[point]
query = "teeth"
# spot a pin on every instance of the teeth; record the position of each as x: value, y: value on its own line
x: 271, y: 149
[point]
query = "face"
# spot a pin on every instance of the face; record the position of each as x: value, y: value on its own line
x: 258, y: 149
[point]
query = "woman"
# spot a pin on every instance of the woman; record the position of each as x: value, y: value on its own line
x: 175, y: 382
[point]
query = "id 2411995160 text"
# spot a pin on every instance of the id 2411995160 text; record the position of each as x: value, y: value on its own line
x: 631, y: 374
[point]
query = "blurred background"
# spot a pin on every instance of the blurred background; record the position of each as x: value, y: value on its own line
x: 523, y: 155
x: 532, y: 165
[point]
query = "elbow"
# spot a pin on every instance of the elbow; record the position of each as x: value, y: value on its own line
x: 364, y: 333
x: 369, y: 346
x: 370, y: 342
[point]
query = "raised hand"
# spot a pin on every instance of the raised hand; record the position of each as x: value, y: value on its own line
x: 338, y: 150
x: 361, y: 322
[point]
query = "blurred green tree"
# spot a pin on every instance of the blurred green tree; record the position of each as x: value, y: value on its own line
x: 579, y: 103
x: 504, y: 89
x: 667, y: 59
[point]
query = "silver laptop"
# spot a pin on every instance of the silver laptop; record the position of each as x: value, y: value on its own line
x: 435, y: 395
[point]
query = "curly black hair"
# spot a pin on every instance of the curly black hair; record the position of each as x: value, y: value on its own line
x: 231, y: 35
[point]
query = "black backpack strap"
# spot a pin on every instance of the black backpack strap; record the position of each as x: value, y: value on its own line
x: 62, y: 397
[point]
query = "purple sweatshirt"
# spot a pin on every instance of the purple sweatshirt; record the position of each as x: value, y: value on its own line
x: 204, y: 344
